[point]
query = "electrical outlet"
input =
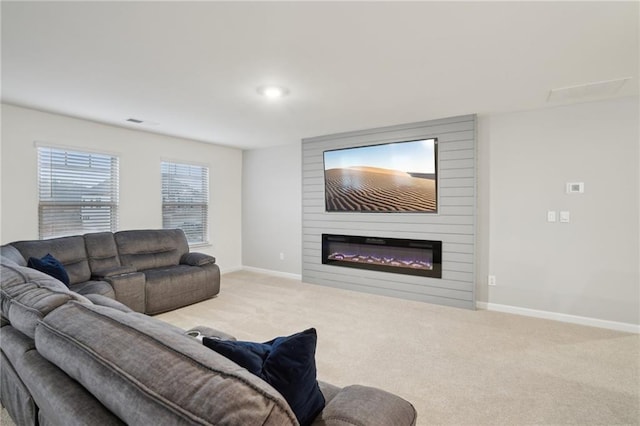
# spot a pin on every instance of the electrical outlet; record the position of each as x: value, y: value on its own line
x: 492, y: 280
x: 281, y: 256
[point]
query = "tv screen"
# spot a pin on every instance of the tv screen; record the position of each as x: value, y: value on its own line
x: 386, y: 178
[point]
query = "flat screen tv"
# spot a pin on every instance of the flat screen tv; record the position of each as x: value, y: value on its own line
x: 387, y: 178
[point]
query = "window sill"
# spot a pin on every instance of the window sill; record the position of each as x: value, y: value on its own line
x: 200, y: 245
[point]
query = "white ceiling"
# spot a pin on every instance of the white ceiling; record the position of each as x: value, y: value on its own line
x: 193, y: 67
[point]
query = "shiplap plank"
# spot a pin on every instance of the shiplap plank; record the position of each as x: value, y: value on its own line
x: 417, y: 218
x: 466, y: 303
x: 456, y: 183
x: 389, y: 228
x: 456, y: 164
x: 381, y: 279
x: 456, y: 201
x: 456, y: 173
x: 430, y: 129
x: 456, y: 155
x: 457, y: 257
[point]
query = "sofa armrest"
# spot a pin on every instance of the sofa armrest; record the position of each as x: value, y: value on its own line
x: 10, y: 252
x: 365, y: 406
x: 130, y: 290
x: 112, y: 272
x: 197, y: 259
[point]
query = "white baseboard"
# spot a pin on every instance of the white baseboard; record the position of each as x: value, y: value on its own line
x: 229, y: 270
x: 274, y: 273
x: 573, y: 319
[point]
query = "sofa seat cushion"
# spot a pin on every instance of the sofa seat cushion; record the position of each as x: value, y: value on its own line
x: 94, y: 287
x: 28, y: 295
x: 148, y: 372
x: 112, y: 272
x: 177, y: 286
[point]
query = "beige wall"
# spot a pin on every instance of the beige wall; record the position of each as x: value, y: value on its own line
x: 271, y: 215
x: 586, y: 268
x: 140, y: 181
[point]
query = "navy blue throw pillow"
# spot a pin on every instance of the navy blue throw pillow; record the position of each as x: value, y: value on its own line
x: 50, y: 266
x: 286, y: 363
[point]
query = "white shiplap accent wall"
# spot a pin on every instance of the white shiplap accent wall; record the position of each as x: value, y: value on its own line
x: 454, y: 224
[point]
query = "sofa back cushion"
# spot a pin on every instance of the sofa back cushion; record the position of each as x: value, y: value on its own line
x: 50, y: 266
x: 70, y: 251
x: 101, y: 251
x: 148, y: 372
x: 27, y: 295
x: 151, y: 248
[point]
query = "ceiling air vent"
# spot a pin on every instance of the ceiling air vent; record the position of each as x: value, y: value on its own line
x: 599, y: 89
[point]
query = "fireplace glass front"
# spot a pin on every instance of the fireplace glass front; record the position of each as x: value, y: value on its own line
x: 402, y: 256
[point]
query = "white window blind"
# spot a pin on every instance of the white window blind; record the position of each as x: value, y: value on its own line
x: 185, y: 200
x: 78, y: 192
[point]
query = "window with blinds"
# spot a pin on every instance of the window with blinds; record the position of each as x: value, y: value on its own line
x: 185, y: 199
x: 78, y: 192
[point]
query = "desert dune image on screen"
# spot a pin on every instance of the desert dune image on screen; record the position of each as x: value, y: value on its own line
x: 392, y: 177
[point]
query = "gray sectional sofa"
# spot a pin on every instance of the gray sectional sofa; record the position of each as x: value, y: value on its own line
x: 71, y: 359
x: 150, y: 271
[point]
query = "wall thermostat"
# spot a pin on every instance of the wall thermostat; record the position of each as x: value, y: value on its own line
x: 575, y: 187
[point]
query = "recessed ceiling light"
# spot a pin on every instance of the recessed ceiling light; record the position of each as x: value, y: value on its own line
x: 273, y: 92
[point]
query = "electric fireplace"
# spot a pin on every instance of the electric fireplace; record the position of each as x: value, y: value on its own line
x: 398, y: 255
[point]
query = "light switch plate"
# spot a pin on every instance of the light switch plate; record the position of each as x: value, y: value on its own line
x: 565, y: 217
x: 551, y: 216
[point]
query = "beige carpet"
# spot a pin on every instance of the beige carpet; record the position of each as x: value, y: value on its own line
x: 458, y: 367
x: 5, y: 419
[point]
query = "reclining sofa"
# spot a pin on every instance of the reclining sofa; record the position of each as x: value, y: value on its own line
x: 150, y: 271
x: 69, y: 359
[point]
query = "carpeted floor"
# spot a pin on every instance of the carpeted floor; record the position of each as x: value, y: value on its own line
x: 5, y: 419
x: 458, y: 367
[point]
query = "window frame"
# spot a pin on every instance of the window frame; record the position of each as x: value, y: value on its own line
x: 205, y: 203
x: 47, y: 228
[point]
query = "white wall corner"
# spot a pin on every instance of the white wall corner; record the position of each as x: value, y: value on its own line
x: 230, y: 269
x: 273, y: 273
